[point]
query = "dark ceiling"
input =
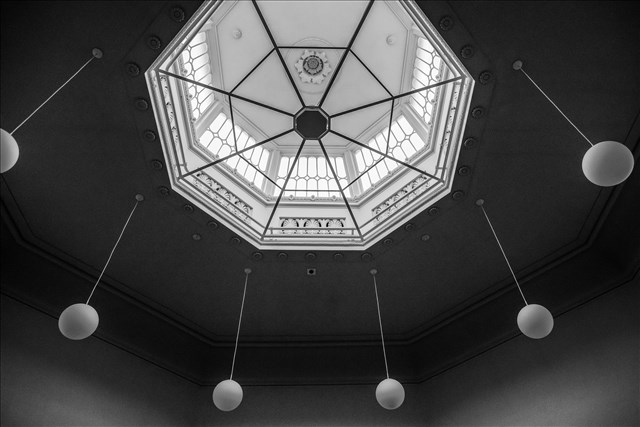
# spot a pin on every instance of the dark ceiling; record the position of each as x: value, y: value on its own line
x: 174, y: 300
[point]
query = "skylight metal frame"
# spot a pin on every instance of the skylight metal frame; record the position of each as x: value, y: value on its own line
x: 188, y: 181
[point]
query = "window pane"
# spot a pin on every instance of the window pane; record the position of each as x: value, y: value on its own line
x: 242, y: 167
x: 341, y: 171
x: 242, y: 140
x: 302, y: 166
x: 360, y: 161
x: 311, y: 165
x: 322, y: 166
x: 284, y: 167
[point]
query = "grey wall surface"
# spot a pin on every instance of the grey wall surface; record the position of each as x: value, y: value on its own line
x: 584, y: 373
x: 48, y: 380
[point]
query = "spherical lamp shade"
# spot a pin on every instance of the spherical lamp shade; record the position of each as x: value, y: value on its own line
x: 227, y: 395
x: 78, y: 321
x: 9, y: 151
x: 607, y: 163
x: 535, y: 321
x: 390, y: 394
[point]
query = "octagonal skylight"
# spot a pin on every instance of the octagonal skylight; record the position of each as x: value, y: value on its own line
x: 311, y: 124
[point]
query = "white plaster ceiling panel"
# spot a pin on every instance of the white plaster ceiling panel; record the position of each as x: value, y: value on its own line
x: 270, y: 85
x: 268, y: 122
x: 291, y: 139
x: 367, y: 120
x: 353, y: 87
x: 381, y: 45
x: 311, y: 148
x: 334, y: 141
x: 239, y: 55
x: 312, y: 92
x: 292, y: 22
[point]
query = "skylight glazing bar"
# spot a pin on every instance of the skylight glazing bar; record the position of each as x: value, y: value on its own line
x: 235, y: 143
x: 371, y: 72
x: 275, y: 207
x: 386, y: 156
x: 393, y: 101
x: 222, y: 159
x: 371, y: 104
x: 364, y: 172
x: 224, y: 92
x: 344, y: 55
x: 375, y: 164
x: 195, y: 82
x: 233, y: 127
x: 259, y: 171
x: 335, y: 176
x: 275, y: 46
x: 252, y: 70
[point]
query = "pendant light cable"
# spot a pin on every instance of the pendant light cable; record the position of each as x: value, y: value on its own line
x: 384, y: 350
x: 58, y: 90
x: 139, y: 198
x: 247, y: 271
x: 518, y: 66
x: 481, y: 203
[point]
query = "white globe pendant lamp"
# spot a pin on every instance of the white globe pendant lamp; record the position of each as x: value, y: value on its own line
x: 389, y: 392
x: 79, y: 321
x: 227, y: 395
x: 9, y: 150
x: 534, y: 320
x: 606, y: 163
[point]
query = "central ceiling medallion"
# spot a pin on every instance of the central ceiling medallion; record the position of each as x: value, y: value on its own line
x: 313, y: 67
x: 317, y: 136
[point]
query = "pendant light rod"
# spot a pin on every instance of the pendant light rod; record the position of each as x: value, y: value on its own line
x: 247, y: 271
x: 96, y: 53
x: 517, y: 65
x: 139, y: 198
x: 480, y: 203
x: 384, y: 350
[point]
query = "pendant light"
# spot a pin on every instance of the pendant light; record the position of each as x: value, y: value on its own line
x: 606, y: 163
x: 228, y: 394
x: 79, y: 321
x: 389, y: 393
x: 534, y: 320
x: 9, y: 150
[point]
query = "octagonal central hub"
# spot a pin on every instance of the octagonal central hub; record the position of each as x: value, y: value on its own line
x: 311, y: 123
